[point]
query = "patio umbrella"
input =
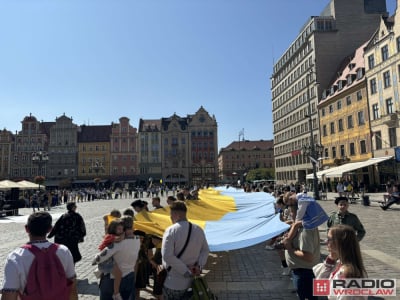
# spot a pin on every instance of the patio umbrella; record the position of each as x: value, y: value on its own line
x: 27, y: 185
x: 8, y: 184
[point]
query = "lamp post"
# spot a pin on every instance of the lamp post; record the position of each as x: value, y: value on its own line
x: 97, y: 166
x: 40, y: 159
x: 311, y: 150
x: 314, y: 152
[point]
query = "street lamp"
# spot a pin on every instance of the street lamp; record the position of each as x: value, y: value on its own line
x: 311, y: 150
x: 97, y: 166
x: 40, y: 159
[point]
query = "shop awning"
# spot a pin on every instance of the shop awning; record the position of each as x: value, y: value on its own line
x: 339, y: 171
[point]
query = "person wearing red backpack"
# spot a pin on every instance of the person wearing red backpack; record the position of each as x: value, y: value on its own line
x: 39, y: 270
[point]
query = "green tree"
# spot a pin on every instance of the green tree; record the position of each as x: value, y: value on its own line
x: 261, y: 173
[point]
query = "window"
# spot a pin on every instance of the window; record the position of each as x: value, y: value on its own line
x: 324, y: 130
x: 333, y: 152
x: 323, y: 112
x: 385, y: 52
x: 386, y: 79
x: 372, y: 85
x: 350, y: 122
x: 389, y: 106
x: 375, y: 112
x: 352, y: 149
x: 360, y: 73
x: 359, y: 95
x: 363, y: 147
x: 361, y: 120
x: 398, y: 44
x: 332, y: 128
x: 371, y: 61
x: 331, y: 108
x: 339, y: 104
x: 378, y: 140
x: 340, y: 125
x: 392, y: 136
x: 348, y: 100
x: 342, y: 152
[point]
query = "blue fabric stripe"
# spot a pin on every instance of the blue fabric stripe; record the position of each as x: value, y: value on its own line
x: 254, y: 222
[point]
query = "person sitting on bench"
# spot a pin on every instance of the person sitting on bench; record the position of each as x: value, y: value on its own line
x: 394, y: 198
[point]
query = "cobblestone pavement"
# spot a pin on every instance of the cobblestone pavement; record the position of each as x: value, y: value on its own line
x: 250, y: 273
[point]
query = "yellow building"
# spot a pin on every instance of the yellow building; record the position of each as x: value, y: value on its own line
x: 94, y: 152
x: 344, y: 117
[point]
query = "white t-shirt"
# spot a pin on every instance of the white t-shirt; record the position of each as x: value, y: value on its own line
x: 19, y: 261
x: 124, y: 253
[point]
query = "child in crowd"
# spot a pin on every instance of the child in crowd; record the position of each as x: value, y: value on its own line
x: 115, y: 234
x: 114, y: 214
x: 343, y: 216
x: 310, y: 214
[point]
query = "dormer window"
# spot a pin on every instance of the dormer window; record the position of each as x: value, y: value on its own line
x: 360, y: 73
x: 349, y: 79
x: 340, y: 84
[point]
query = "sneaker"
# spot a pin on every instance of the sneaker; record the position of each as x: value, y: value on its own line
x: 270, y: 247
x: 286, y: 271
x: 383, y: 207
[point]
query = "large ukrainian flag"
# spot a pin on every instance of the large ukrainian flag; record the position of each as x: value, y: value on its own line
x: 231, y: 218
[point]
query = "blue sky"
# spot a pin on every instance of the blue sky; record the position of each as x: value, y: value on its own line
x: 99, y: 60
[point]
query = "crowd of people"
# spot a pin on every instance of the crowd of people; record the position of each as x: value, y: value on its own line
x: 299, y: 248
x: 126, y: 260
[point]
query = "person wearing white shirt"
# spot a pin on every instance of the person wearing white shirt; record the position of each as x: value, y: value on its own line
x: 191, y: 261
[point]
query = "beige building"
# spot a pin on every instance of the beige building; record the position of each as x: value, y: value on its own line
x: 239, y: 157
x: 189, y: 149
x: 305, y: 70
x: 149, y: 143
x: 382, y: 60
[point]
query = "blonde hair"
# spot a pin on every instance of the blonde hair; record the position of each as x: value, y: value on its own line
x: 345, y: 239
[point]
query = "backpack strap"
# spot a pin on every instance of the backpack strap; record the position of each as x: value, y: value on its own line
x: 36, y: 250
x: 184, y: 246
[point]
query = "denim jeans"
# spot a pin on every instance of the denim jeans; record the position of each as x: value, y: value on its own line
x: 126, y: 288
x: 303, y: 283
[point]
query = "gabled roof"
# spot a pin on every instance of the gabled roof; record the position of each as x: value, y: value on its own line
x: 349, y: 67
x: 149, y: 125
x: 93, y: 134
x: 250, y: 145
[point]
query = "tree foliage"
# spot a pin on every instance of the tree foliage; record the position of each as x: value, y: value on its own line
x: 260, y: 174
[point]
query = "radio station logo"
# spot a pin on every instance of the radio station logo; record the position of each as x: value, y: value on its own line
x: 354, y: 287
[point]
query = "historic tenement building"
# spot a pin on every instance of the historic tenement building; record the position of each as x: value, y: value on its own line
x: 305, y: 69
x: 34, y: 137
x: 124, y: 150
x: 236, y: 159
x: 174, y: 151
x: 62, y: 150
x: 94, y: 152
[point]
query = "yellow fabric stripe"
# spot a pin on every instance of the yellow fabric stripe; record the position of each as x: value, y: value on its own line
x: 212, y: 206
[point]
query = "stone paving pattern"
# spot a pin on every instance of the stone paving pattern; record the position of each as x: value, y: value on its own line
x: 250, y: 273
